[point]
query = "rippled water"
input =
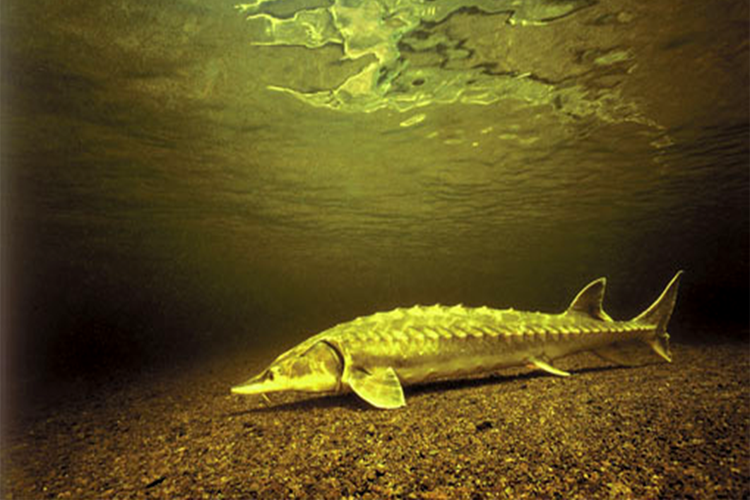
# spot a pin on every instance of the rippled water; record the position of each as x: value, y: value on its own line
x: 159, y: 191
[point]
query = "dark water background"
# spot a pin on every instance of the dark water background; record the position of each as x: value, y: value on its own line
x: 161, y: 204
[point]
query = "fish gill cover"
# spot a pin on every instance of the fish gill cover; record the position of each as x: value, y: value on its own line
x: 414, y: 53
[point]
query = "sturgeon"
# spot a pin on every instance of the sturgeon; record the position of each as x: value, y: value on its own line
x: 375, y: 355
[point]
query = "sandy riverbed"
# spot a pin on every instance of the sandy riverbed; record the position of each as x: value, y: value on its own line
x: 677, y: 430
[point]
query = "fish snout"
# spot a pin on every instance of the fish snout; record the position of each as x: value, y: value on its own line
x: 260, y: 384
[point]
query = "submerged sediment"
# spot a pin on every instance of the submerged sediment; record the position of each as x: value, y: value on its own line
x: 658, y: 431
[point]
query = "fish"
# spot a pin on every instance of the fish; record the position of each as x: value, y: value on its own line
x: 375, y: 356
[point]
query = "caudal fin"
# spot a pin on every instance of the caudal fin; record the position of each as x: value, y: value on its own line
x: 657, y: 315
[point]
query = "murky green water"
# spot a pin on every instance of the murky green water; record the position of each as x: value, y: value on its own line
x: 176, y: 175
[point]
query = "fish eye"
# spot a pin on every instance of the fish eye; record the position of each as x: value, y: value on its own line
x: 269, y: 375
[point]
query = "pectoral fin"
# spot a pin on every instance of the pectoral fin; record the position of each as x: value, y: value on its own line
x: 543, y: 365
x: 380, y: 387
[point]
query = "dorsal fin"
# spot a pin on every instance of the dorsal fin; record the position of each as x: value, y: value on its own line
x: 589, y: 301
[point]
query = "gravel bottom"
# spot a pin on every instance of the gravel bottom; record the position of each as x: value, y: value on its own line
x: 679, y: 430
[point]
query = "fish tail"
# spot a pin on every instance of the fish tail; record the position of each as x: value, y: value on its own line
x: 657, y: 316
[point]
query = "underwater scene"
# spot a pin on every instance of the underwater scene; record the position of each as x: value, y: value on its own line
x: 372, y: 249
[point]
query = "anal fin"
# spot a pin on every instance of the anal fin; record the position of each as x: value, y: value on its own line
x: 380, y: 387
x: 613, y: 354
x: 544, y: 365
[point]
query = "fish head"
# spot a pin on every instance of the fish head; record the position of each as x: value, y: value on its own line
x: 315, y: 368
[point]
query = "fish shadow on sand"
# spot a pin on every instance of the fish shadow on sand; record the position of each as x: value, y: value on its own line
x: 352, y: 402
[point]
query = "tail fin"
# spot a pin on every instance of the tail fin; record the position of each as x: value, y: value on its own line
x: 658, y: 316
